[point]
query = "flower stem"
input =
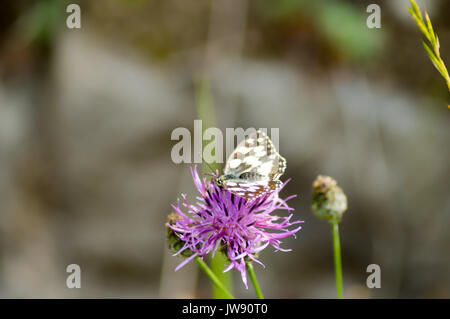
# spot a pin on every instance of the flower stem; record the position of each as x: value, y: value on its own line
x: 254, y: 280
x: 337, y: 258
x: 217, y: 264
x: 213, y: 277
x: 206, y: 112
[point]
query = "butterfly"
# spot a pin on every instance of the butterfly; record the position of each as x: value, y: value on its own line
x: 253, y: 169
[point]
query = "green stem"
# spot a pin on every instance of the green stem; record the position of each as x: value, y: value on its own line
x: 213, y: 277
x: 217, y: 265
x: 255, y: 283
x: 337, y: 258
x: 205, y: 112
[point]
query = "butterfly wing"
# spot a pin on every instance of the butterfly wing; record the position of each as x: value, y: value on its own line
x: 249, y: 189
x: 254, y: 167
x: 257, y: 157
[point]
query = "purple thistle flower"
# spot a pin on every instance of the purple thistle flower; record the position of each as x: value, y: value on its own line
x: 234, y: 225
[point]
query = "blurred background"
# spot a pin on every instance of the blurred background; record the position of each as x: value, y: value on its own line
x: 86, y: 117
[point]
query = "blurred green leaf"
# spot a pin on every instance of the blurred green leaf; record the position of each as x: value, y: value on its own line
x: 345, y: 27
x: 42, y: 20
x: 341, y: 24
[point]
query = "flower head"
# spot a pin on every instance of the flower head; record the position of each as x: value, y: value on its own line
x: 237, y: 227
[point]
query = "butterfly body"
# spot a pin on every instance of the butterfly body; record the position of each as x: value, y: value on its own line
x: 253, y: 169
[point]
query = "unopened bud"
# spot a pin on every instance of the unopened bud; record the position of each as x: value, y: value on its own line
x: 175, y: 243
x: 328, y: 201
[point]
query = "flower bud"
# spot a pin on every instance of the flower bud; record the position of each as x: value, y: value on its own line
x: 328, y: 201
x: 175, y: 243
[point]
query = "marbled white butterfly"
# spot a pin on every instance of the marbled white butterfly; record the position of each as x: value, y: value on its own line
x: 254, y: 168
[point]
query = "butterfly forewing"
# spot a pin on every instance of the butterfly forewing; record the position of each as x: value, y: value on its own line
x: 254, y: 167
x: 256, y: 154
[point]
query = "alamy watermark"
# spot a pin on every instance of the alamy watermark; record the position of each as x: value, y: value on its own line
x: 74, y: 279
x: 192, y: 149
x: 374, y: 279
x: 73, y: 20
x: 374, y: 18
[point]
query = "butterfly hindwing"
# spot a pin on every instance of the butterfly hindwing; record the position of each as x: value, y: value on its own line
x: 247, y: 190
